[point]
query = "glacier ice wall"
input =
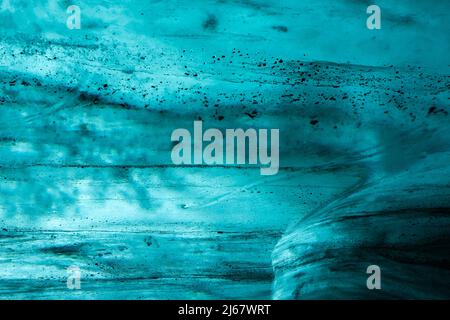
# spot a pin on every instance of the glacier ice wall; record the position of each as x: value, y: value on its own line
x: 85, y: 172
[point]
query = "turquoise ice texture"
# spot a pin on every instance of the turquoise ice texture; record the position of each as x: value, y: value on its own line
x: 86, y: 177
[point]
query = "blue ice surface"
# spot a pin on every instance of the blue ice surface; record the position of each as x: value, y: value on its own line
x: 86, y: 177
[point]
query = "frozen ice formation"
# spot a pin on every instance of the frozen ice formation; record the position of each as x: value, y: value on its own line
x: 86, y: 178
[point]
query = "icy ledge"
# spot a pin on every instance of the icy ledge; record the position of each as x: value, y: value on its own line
x: 399, y: 222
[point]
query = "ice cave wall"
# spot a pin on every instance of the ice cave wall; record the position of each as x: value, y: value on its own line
x: 86, y: 176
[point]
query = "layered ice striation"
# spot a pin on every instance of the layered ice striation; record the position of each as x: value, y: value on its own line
x: 86, y: 177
